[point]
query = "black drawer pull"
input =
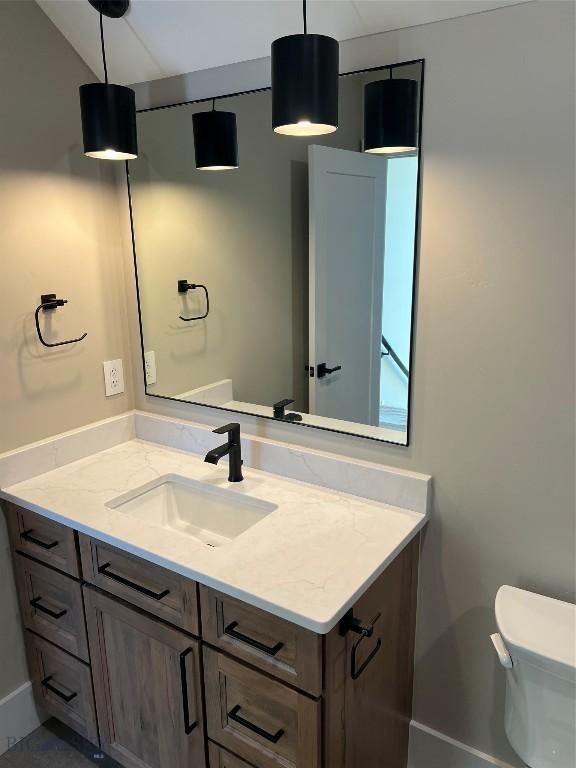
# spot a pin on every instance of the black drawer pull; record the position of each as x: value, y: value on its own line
x: 104, y: 570
x: 271, y: 650
x: 273, y: 737
x: 67, y: 697
x: 188, y: 726
x: 27, y: 536
x: 39, y: 607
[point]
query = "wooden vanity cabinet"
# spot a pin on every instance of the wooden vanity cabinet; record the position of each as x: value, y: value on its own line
x: 51, y: 606
x: 276, y: 646
x: 221, y: 758
x: 62, y: 686
x: 260, y: 719
x: 147, y: 681
x: 156, y: 590
x: 51, y: 543
x: 161, y: 672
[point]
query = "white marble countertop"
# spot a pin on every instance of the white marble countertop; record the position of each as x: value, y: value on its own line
x: 308, y: 561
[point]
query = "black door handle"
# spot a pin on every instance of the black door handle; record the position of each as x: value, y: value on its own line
x: 104, y: 570
x: 323, y: 370
x: 67, y: 697
x: 39, y: 607
x: 188, y: 726
x: 271, y: 650
x: 273, y: 737
x: 27, y: 536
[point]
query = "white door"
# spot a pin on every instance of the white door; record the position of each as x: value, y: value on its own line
x: 347, y: 220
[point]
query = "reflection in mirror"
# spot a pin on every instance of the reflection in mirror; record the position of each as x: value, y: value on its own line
x: 283, y: 287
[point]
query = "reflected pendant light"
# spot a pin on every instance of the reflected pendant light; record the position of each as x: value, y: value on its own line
x: 215, y: 140
x: 108, y: 111
x: 391, y: 116
x: 305, y: 84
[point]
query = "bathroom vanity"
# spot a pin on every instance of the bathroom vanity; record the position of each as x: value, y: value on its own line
x: 288, y: 644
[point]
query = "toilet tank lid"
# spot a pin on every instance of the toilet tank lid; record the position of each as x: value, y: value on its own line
x: 540, y: 628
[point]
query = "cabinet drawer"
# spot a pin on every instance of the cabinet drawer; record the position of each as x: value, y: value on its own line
x: 43, y: 539
x: 51, y: 605
x: 62, y: 686
x: 283, y: 649
x: 165, y: 594
x: 263, y: 721
x: 220, y: 758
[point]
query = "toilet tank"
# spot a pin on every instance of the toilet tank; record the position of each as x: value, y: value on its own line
x: 537, y: 645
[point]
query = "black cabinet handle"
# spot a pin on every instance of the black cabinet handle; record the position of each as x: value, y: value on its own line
x: 27, y: 536
x: 273, y: 737
x: 67, y: 697
x: 105, y: 571
x: 271, y: 650
x: 39, y: 607
x: 188, y: 726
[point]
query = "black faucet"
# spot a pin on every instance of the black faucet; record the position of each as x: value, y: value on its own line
x: 279, y: 412
x: 233, y: 448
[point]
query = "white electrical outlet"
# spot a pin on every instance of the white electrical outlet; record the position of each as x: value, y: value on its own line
x: 150, y: 367
x: 113, y: 377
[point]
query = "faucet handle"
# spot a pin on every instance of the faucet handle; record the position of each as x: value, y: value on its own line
x: 232, y: 429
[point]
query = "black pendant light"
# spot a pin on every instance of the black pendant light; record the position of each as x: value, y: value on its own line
x: 108, y: 111
x: 215, y: 140
x: 391, y: 116
x: 305, y: 84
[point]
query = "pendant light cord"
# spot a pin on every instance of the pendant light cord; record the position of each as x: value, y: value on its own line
x: 305, y: 17
x: 103, y: 49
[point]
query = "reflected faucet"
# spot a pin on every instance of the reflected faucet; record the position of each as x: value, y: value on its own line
x: 232, y: 448
x: 280, y: 413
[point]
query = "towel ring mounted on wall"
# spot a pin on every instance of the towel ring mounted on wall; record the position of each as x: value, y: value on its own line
x: 49, y: 302
x: 183, y: 287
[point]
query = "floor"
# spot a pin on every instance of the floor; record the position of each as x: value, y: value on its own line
x: 54, y: 746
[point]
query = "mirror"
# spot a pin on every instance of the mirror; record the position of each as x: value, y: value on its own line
x: 289, y: 278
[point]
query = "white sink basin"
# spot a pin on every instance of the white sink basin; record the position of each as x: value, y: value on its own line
x: 214, y: 516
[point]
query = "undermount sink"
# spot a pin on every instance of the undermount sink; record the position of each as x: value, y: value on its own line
x: 213, y: 516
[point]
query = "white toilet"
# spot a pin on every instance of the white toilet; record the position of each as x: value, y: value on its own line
x: 537, y: 645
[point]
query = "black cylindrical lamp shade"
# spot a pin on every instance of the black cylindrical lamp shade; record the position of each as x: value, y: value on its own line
x: 109, y: 121
x: 305, y: 85
x: 215, y: 140
x: 391, y: 116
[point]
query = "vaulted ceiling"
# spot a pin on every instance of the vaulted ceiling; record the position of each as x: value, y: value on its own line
x: 160, y: 38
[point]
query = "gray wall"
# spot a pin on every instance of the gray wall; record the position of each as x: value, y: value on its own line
x: 59, y: 231
x: 493, y: 406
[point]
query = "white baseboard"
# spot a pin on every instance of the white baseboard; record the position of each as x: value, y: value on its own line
x: 431, y: 749
x: 19, y: 716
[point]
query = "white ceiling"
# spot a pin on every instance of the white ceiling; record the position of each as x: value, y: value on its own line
x: 160, y: 38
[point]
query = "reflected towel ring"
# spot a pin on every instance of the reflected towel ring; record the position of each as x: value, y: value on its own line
x: 49, y: 302
x: 183, y: 287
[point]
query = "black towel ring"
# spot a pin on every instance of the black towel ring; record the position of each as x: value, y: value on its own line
x: 49, y: 302
x: 183, y: 287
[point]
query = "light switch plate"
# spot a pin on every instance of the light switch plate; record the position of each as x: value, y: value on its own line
x: 113, y: 377
x: 150, y: 366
